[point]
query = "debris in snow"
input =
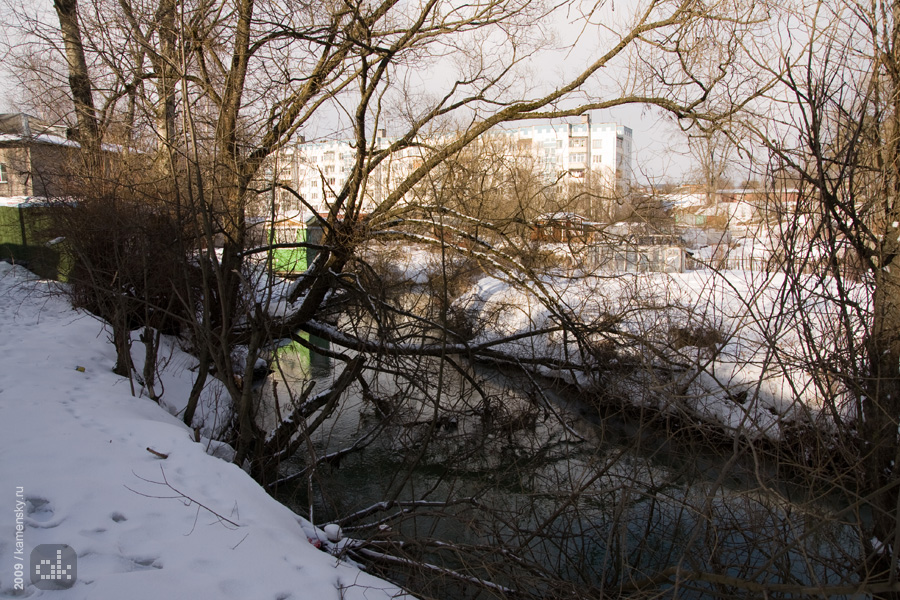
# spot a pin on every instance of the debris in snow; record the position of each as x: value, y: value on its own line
x: 157, y: 454
x: 333, y: 532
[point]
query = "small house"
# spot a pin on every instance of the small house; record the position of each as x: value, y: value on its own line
x: 35, y: 157
x: 34, y: 161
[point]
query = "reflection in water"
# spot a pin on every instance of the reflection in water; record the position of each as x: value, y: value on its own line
x: 293, y: 365
x: 603, y: 504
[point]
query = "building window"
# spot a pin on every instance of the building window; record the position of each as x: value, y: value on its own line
x: 597, y: 143
x: 3, y: 176
x: 598, y: 159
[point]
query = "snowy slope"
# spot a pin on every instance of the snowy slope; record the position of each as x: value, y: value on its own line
x: 75, y: 460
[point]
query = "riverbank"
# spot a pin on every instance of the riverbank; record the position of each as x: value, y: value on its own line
x: 120, y: 481
x: 729, y: 350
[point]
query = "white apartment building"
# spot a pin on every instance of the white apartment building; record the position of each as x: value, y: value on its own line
x: 575, y: 152
x: 319, y: 170
x: 570, y: 153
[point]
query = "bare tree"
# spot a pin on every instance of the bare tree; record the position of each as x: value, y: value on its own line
x: 209, y: 91
x: 712, y: 152
x: 832, y: 137
x: 282, y: 65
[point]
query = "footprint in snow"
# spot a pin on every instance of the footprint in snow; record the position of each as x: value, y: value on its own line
x: 145, y: 563
x: 96, y: 533
x: 39, y: 513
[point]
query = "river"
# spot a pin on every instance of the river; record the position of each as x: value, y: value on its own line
x: 530, y: 488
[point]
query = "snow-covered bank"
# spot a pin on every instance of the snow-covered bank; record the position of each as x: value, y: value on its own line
x: 724, y: 348
x: 82, y: 464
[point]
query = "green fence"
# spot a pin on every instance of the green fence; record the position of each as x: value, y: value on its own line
x: 288, y: 261
x: 25, y: 239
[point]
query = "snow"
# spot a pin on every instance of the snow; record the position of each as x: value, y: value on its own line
x: 739, y: 388
x: 22, y: 201
x: 149, y: 512
x: 51, y: 139
x: 153, y: 513
x: 44, y: 138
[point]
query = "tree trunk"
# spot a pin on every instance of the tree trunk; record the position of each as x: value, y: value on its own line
x: 165, y: 83
x: 879, y: 431
x: 122, y: 340
x: 150, y: 338
x: 79, y: 79
x: 197, y: 388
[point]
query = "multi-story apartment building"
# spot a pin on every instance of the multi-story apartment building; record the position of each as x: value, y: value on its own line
x: 599, y: 154
x: 319, y: 170
x: 578, y: 152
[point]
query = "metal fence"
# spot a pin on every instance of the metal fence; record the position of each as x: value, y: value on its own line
x: 636, y: 259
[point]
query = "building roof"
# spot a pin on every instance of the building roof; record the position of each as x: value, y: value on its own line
x: 22, y: 201
x: 21, y: 127
x: 16, y: 127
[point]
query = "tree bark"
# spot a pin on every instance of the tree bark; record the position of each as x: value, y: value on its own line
x: 79, y: 78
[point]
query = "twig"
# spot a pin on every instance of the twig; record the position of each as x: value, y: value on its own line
x: 372, y: 554
x: 157, y: 454
x: 180, y: 495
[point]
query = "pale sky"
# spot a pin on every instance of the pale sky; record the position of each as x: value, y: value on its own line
x: 660, y: 152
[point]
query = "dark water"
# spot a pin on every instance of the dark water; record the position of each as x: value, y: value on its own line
x: 598, y: 502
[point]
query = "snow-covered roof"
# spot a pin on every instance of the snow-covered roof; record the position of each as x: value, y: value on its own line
x: 562, y: 216
x: 22, y: 201
x: 19, y: 128
x: 686, y: 200
x: 42, y: 138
